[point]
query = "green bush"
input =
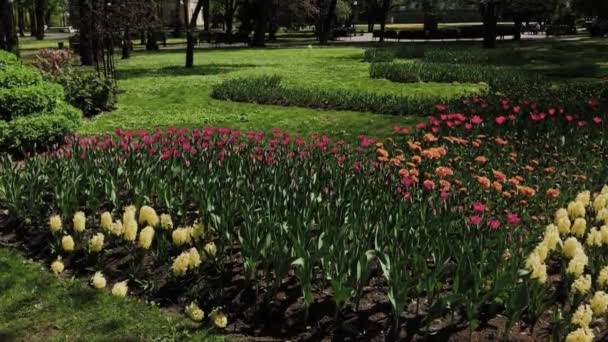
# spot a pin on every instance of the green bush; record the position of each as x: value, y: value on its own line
x: 8, y: 59
x: 3, y: 131
x: 26, y: 131
x: 38, y: 98
x: 84, y: 89
x: 19, y: 77
x: 268, y: 90
x: 474, y: 56
x: 389, y: 54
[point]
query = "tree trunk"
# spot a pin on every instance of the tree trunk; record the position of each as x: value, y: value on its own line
x: 517, y: 33
x: 33, y: 25
x: 152, y: 41
x: 229, y: 19
x: 190, y: 35
x: 40, y: 12
x: 206, y: 15
x: 21, y: 21
x: 327, y: 25
x: 490, y: 19
x: 273, y: 26
x: 86, y: 35
x: 259, y: 34
x: 386, y: 5
x: 126, y: 44
x: 8, y: 34
x: 371, y: 16
x: 177, y: 29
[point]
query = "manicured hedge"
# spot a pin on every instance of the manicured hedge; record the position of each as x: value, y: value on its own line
x: 19, y: 77
x: 38, y: 98
x: 471, y: 55
x: 32, y: 111
x: 268, y: 90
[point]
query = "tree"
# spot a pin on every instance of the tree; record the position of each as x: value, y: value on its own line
x: 40, y: 12
x: 260, y: 22
x: 230, y: 7
x: 526, y: 10
x: 8, y: 33
x: 326, y: 20
x: 190, y: 34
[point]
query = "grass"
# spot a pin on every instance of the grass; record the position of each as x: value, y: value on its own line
x: 30, y: 43
x: 158, y: 91
x: 37, y: 306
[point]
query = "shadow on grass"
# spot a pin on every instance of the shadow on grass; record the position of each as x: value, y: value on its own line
x: 200, y: 70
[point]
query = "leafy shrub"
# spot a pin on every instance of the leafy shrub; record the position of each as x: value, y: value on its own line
x: 379, y: 55
x: 48, y: 128
x: 32, y: 111
x: 87, y: 91
x: 474, y: 56
x: 3, y: 131
x: 8, y: 59
x: 36, y: 98
x: 84, y: 88
x: 268, y: 90
x: 53, y: 62
x: 19, y: 77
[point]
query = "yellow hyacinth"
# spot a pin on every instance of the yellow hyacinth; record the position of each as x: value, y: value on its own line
x: 577, y: 265
x: 117, y: 228
x: 604, y: 234
x: 576, y: 209
x: 599, y: 303
x: 194, y: 258
x: 551, y: 237
x: 563, y: 225
x: 147, y: 215
x: 600, y: 202
x: 67, y: 243
x: 580, y: 335
x: 79, y: 222
x: 55, y: 224
x: 582, y: 316
x: 194, y: 312
x: 145, y: 237
x: 602, y: 278
x: 210, y: 249
x: 120, y: 289
x: 584, y: 198
x: 582, y: 284
x: 602, y: 216
x: 594, y: 238
x: 130, y: 229
x: 579, y: 227
x: 219, y: 319
x: 542, y: 251
x: 166, y: 222
x: 105, y: 221
x: 571, y: 247
x: 57, y: 266
x: 198, y: 231
x: 96, y: 242
x: 98, y: 280
x: 537, y: 269
x: 559, y: 213
x: 181, y: 264
x: 129, y: 213
x: 181, y: 236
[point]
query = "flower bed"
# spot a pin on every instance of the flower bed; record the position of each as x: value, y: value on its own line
x: 257, y: 226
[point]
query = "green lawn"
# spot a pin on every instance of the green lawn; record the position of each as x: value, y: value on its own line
x: 159, y: 91
x: 36, y: 306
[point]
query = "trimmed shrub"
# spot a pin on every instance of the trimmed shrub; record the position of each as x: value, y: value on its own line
x: 48, y: 129
x: 474, y: 56
x: 389, y: 54
x: 19, y: 77
x: 4, y: 131
x: 8, y: 59
x: 38, y: 98
x: 87, y: 91
x: 84, y: 88
x: 268, y: 90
